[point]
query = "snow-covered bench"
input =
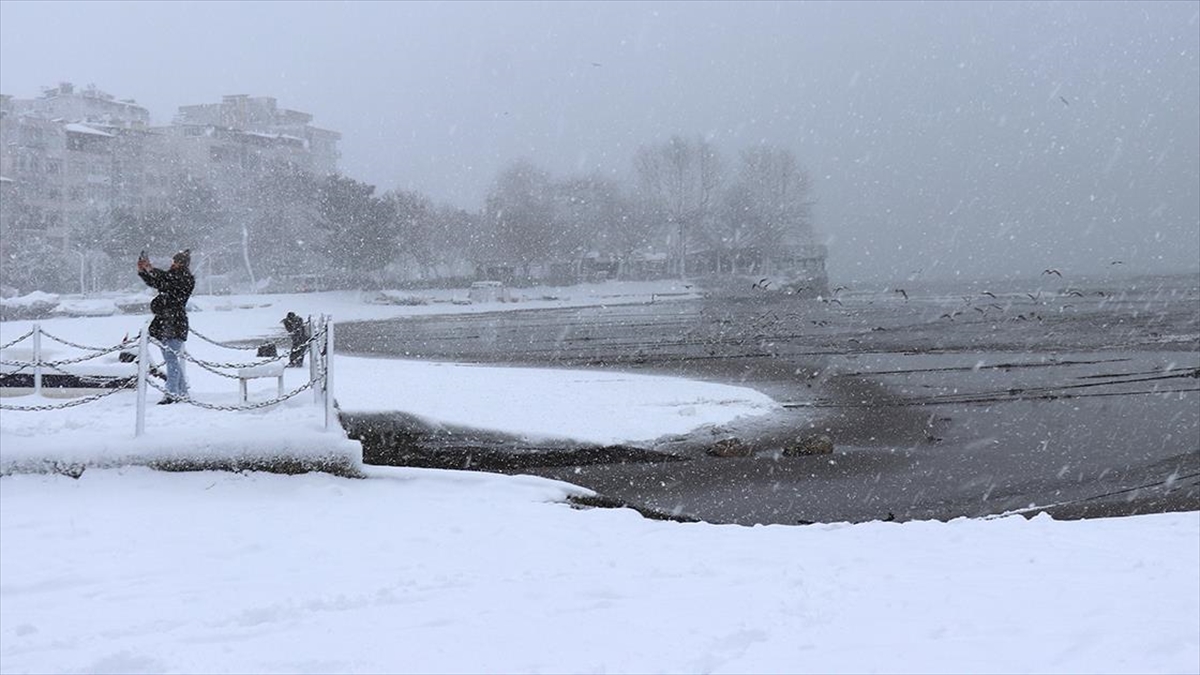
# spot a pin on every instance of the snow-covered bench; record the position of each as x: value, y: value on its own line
x: 254, y: 372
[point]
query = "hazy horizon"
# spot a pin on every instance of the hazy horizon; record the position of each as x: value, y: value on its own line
x: 943, y: 139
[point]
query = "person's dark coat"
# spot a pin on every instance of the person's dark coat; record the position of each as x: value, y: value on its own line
x: 174, y: 287
x: 295, y: 327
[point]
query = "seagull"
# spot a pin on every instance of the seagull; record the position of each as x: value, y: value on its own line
x: 828, y: 300
x: 990, y: 294
x: 1052, y: 272
x: 1034, y: 297
x: 597, y: 65
x: 839, y: 288
x: 901, y: 292
x: 1064, y: 100
x: 1117, y: 262
x: 1075, y: 293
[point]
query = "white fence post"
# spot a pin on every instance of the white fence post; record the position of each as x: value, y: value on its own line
x: 329, y: 413
x: 37, y: 360
x: 143, y: 361
x: 314, y: 353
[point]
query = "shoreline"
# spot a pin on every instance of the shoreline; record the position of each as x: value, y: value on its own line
x: 933, y: 414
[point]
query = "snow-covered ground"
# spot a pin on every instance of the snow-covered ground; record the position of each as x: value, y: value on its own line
x: 126, y: 569
x: 588, y: 406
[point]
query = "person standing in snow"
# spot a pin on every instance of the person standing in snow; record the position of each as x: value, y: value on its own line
x: 294, y: 325
x: 170, y: 324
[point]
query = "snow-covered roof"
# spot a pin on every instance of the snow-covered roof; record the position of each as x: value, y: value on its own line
x: 84, y: 129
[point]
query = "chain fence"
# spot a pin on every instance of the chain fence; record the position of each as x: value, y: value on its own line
x: 318, y: 346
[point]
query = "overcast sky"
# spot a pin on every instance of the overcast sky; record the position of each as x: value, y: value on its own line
x: 967, y: 138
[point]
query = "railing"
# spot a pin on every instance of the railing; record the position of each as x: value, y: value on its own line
x: 320, y: 380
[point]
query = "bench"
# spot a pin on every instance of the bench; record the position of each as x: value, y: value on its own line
x: 254, y: 372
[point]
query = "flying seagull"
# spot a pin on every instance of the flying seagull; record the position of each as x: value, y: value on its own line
x: 901, y: 292
x: 990, y: 294
x: 1052, y: 272
x: 1064, y: 100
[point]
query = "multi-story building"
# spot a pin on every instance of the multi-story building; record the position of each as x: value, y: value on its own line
x: 71, y: 158
x: 247, y: 131
x: 87, y: 105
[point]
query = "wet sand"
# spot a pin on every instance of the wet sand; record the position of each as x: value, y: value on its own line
x: 1082, y: 399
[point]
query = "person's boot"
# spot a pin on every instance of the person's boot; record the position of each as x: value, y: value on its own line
x: 166, y: 400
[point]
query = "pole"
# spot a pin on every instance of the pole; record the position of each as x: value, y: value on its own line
x: 314, y: 353
x: 143, y: 361
x: 329, y: 412
x: 37, y: 360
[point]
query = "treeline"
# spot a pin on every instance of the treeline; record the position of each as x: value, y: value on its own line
x: 291, y: 227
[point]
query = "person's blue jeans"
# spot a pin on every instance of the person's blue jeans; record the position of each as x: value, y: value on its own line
x: 176, y: 378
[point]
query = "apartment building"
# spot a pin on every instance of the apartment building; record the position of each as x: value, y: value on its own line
x: 73, y: 156
x: 248, y: 131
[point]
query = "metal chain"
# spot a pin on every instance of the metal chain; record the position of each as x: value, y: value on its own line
x: 69, y: 404
x: 219, y: 344
x: 61, y: 362
x: 27, y: 334
x: 209, y: 365
x: 85, y: 357
x: 97, y: 379
x: 248, y: 406
x: 212, y: 369
x: 79, y: 346
x: 321, y: 371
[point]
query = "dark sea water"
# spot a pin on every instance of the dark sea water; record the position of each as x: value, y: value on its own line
x: 942, y: 399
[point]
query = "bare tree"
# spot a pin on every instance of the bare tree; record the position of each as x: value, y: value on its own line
x: 682, y: 179
x: 590, y: 210
x: 413, y: 215
x: 769, y: 208
x: 520, y: 213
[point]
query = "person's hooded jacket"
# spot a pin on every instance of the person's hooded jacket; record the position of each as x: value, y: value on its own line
x: 174, y: 288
